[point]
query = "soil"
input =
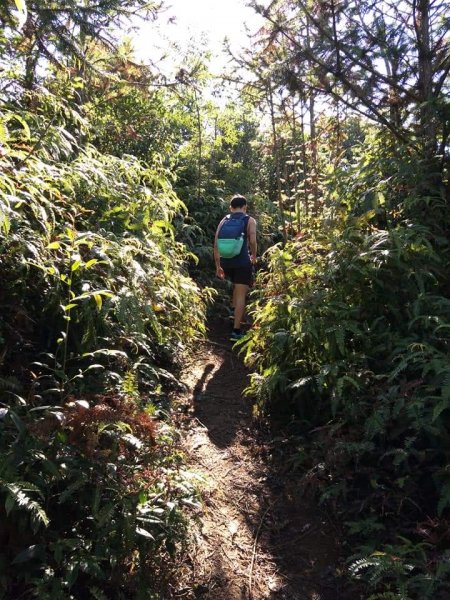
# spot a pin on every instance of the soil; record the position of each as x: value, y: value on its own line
x: 256, y: 537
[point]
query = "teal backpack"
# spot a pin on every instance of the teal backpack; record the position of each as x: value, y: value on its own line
x: 231, y: 236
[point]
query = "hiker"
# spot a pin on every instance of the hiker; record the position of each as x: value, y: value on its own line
x: 235, y: 255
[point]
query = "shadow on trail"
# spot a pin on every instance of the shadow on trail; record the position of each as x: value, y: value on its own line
x: 289, y: 531
x: 218, y: 403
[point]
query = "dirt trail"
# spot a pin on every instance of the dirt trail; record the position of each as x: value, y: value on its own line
x: 256, y: 538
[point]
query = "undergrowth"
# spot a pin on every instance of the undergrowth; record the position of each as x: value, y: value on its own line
x: 351, y: 347
x: 97, y: 310
x: 92, y: 499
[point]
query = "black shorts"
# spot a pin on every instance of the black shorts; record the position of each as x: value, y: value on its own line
x: 242, y: 275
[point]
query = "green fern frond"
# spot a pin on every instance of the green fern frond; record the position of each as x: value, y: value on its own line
x: 97, y: 593
x: 105, y: 513
x: 71, y: 489
x: 386, y: 596
x: 445, y: 389
x: 10, y: 384
x: 17, y: 497
x: 444, y: 499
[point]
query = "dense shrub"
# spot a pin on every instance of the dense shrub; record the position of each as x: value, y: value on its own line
x: 91, y: 498
x: 90, y: 262
x: 351, y: 345
x: 95, y: 298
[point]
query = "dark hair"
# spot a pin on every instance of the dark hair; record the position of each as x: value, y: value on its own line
x: 238, y: 201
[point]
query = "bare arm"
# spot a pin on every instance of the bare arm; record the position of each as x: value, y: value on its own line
x: 219, y: 270
x: 251, y: 232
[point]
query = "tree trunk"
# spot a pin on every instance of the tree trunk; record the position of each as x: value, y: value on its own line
x: 304, y: 156
x: 276, y: 154
x: 296, y: 195
x: 199, y: 146
x: 313, y: 138
x: 428, y: 124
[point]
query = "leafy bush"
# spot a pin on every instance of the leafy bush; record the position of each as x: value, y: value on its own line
x: 90, y: 262
x: 351, y: 344
x: 91, y: 497
x: 95, y: 300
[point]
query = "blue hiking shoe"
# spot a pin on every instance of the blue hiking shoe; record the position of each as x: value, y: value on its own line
x: 236, y: 336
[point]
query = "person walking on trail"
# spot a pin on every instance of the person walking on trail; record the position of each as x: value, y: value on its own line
x: 235, y: 255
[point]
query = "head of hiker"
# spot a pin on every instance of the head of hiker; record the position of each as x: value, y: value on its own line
x: 235, y: 255
x: 238, y: 203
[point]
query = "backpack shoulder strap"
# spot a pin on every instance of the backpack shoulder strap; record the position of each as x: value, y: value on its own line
x: 246, y: 220
x: 224, y: 220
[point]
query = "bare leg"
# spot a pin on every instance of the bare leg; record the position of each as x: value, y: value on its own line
x: 239, y: 296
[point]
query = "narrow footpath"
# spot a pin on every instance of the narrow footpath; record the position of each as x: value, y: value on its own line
x: 256, y: 537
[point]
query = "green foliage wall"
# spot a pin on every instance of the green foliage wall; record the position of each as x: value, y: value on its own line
x: 97, y: 308
x: 350, y: 346
x: 95, y: 228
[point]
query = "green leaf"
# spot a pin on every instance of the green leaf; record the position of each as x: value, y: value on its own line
x: 17, y: 497
x: 20, y: 426
x: 21, y: 6
x: 3, y: 132
x: 24, y: 124
x: 98, y: 301
x: 71, y: 489
x: 105, y: 513
x: 54, y: 246
x: 144, y: 533
x: 439, y: 408
x: 160, y: 225
x: 68, y: 307
x: 35, y: 551
x: 5, y: 223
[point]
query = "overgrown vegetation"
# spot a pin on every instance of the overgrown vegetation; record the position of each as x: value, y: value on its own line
x: 97, y: 309
x: 350, y: 345
x: 113, y: 180
x: 360, y: 368
x: 92, y: 496
x: 95, y: 297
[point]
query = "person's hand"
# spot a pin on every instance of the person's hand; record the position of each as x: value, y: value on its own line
x: 220, y: 272
x: 253, y: 259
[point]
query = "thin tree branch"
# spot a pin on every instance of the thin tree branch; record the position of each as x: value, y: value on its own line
x: 346, y: 82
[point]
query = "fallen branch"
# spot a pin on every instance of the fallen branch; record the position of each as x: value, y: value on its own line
x: 252, y: 563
